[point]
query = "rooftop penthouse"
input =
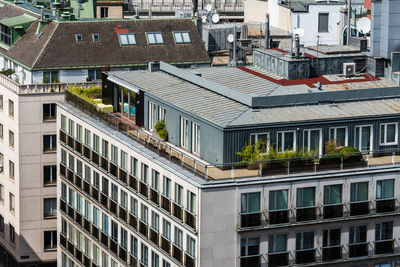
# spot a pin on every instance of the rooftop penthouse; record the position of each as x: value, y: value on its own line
x: 211, y: 114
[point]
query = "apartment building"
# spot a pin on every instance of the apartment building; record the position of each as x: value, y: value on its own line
x: 126, y: 197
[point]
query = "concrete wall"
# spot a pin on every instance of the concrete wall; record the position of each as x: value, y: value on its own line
x: 114, y: 12
x: 255, y: 10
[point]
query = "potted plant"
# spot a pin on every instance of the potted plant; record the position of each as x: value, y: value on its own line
x: 161, y: 130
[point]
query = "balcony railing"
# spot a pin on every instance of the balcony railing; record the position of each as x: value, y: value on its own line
x: 385, y: 205
x: 250, y: 219
x: 133, y: 262
x: 165, y: 244
x: 278, y: 216
x: 122, y: 213
x: 94, y: 193
x: 306, y: 214
x: 70, y: 141
x: 63, y: 136
x: 359, y: 208
x: 165, y: 203
x: 95, y: 232
x: 210, y: 172
x: 358, y: 250
x: 78, y: 146
x: 63, y: 170
x: 78, y: 181
x: 63, y: 240
x: 143, y: 228
x: 86, y: 261
x: 86, y: 225
x: 122, y: 254
x: 104, y: 163
x: 104, y: 238
x: 331, y: 253
x: 177, y: 211
x: 278, y: 259
x: 86, y: 152
x: 113, y: 245
x: 143, y: 189
x: 123, y: 176
x: 133, y: 183
x: 190, y: 219
x: 305, y: 256
x: 104, y: 200
x: 154, y: 236
x: 63, y: 206
x: 333, y: 211
x: 133, y: 221
x: 70, y: 175
x: 112, y: 205
x: 114, y: 169
x: 177, y: 253
x: 250, y: 261
x: 95, y: 158
x: 189, y: 261
x: 154, y: 196
x: 384, y: 246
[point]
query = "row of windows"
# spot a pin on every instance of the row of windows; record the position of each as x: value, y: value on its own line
x: 120, y: 158
x: 10, y: 106
x: 11, y: 231
x: 313, y: 140
x: 118, y: 233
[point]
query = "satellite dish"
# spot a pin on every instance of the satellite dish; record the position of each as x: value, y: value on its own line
x: 209, y: 7
x: 364, y: 25
x: 215, y: 18
x: 299, y: 32
x: 204, y: 19
x: 231, y: 38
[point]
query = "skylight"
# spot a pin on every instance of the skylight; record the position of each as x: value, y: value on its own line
x: 96, y: 37
x: 78, y: 37
x: 181, y: 37
x: 127, y: 38
x: 154, y: 38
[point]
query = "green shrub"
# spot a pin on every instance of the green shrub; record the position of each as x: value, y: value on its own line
x: 7, y: 72
x: 350, y: 154
x: 161, y: 129
x: 163, y: 134
x: 250, y: 152
x: 87, y: 93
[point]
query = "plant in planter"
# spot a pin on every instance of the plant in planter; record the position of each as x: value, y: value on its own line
x: 161, y: 130
x: 252, y: 153
x: 335, y: 153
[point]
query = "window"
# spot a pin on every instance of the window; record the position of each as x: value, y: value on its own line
x: 278, y: 199
x: 1, y: 131
x: 162, y: 114
x: 155, y: 179
x: 166, y: 229
x: 79, y: 37
x: 11, y: 108
x: 124, y: 238
x: 49, y: 111
x: 50, y: 207
x: 144, y: 176
x: 384, y: 231
x: 144, y: 213
x: 88, y: 210
x: 339, y: 134
x: 12, y: 234
x: 114, y: 193
x: 191, y: 202
x: 63, y: 123
x: 178, y: 194
x: 103, y: 12
x: 50, y: 240
x: 94, y: 75
x: 78, y: 132
x: 71, y: 197
x: 359, y: 192
x: 51, y: 77
x: 79, y: 204
x: 87, y: 138
x: 50, y: 175
x: 385, y: 189
x: 250, y: 203
x: 71, y: 162
x: 104, y: 224
x: 178, y: 240
x: 305, y: 240
x: 124, y: 200
x: 11, y: 171
x: 262, y: 139
x: 96, y: 143
x: 155, y: 221
x: 1, y: 224
x: 184, y: 132
x: 88, y: 174
x: 71, y: 127
x: 63, y: 191
x: 96, y: 37
x: 152, y: 116
x: 124, y: 160
x: 167, y: 187
x: 277, y: 243
x: 331, y: 237
x: 363, y: 138
x: 12, y: 203
x: 96, y: 217
x: 196, y: 138
x: 104, y: 259
x: 63, y: 260
x: 104, y: 148
x: 96, y: 254
x: 323, y: 22
x: 165, y: 263
x: 134, y: 206
x: 154, y: 38
x: 88, y: 246
x: 181, y: 37
x: 127, y: 39
x: 1, y: 163
x: 388, y: 134
x: 1, y: 102
x: 5, y: 35
x: 286, y: 141
x: 49, y: 143
x: 11, y: 139
x: 155, y: 259
x: 144, y: 254
x: 1, y: 193
x: 134, y: 246
x: 191, y: 246
x: 249, y: 246
x: 358, y: 234
x: 96, y: 180
x: 114, y: 263
x: 114, y: 231
x: 134, y: 167
x: 114, y: 154
x: 313, y: 141
x: 305, y: 197
x: 332, y: 194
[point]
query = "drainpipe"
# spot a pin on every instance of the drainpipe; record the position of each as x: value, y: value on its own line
x: 267, y: 32
x: 348, y: 21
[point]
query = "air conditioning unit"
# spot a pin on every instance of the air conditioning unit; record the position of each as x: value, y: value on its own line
x: 349, y: 69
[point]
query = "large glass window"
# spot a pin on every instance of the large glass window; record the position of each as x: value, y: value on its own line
x: 358, y: 234
x: 191, y: 202
x: 51, y: 77
x: 305, y: 240
x: 262, y: 138
x: 50, y: 175
x: 196, y: 138
x: 286, y: 141
x: 277, y: 243
x: 385, y: 189
x: 250, y: 203
x: 249, y: 246
x: 181, y: 37
x: 152, y: 116
x: 49, y: 111
x: 184, y: 133
x: 166, y: 187
x: 166, y: 229
x: 313, y: 141
x: 388, y: 134
x: 178, y: 240
x: 332, y: 194
x: 278, y: 199
x: 155, y: 179
x: 49, y: 143
x: 191, y: 246
x: 359, y: 192
x: 339, y: 134
x: 331, y: 237
x: 127, y: 38
x: 50, y: 240
x: 384, y: 231
x: 178, y: 194
x: 363, y: 138
x: 144, y: 254
x: 305, y: 197
x: 50, y: 207
x: 154, y: 38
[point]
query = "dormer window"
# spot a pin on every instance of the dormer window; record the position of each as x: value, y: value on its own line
x: 127, y: 39
x: 181, y: 37
x: 154, y: 38
x: 96, y: 37
x: 79, y: 37
x: 5, y: 35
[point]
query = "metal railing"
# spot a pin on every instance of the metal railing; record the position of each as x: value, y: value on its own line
x: 236, y: 170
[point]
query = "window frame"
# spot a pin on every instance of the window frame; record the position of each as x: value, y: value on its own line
x: 320, y: 141
x: 319, y: 23
x: 283, y: 140
x: 335, y: 134
x: 184, y: 132
x: 196, y: 138
x: 396, y: 134
x: 154, y: 34
x: 174, y: 33
x: 127, y: 35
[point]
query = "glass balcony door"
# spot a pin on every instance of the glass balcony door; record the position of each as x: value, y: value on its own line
x: 363, y: 138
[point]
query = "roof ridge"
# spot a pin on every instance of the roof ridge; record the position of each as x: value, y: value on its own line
x: 45, y: 44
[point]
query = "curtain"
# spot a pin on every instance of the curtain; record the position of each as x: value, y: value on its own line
x: 332, y: 194
x: 341, y: 136
x: 278, y: 199
x: 365, y: 138
x: 390, y: 133
x: 314, y: 141
x: 359, y: 192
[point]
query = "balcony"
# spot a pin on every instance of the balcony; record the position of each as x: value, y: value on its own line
x: 63, y: 170
x: 306, y: 214
x: 122, y: 254
x: 250, y: 261
x: 177, y: 253
x: 70, y: 211
x: 305, y: 256
x: 78, y: 218
x: 86, y: 225
x: 133, y: 183
x: 154, y: 236
x: 358, y: 250
x: 250, y: 220
x: 95, y: 232
x: 78, y: 146
x: 86, y: 187
x: 278, y: 259
x: 78, y: 181
x: 165, y: 244
x: 331, y: 253
x: 104, y: 239
x: 70, y: 141
x: 143, y: 228
x: 154, y: 196
x: 132, y: 261
x: 63, y: 206
x: 63, y: 241
x: 113, y: 245
x: 384, y: 246
x: 190, y: 219
x: 122, y: 213
x: 104, y: 200
x: 112, y: 205
x: 113, y: 170
x: 86, y: 152
x: 70, y: 175
x: 189, y: 261
x: 165, y: 203
x: 385, y: 205
x: 63, y: 136
x: 359, y: 208
x: 133, y: 221
x: 95, y: 158
x: 143, y: 189
x: 78, y: 254
x: 104, y: 164
x: 177, y: 211
x: 333, y: 211
x: 70, y: 248
x: 94, y: 193
x: 123, y: 176
x: 86, y: 261
x: 278, y: 217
